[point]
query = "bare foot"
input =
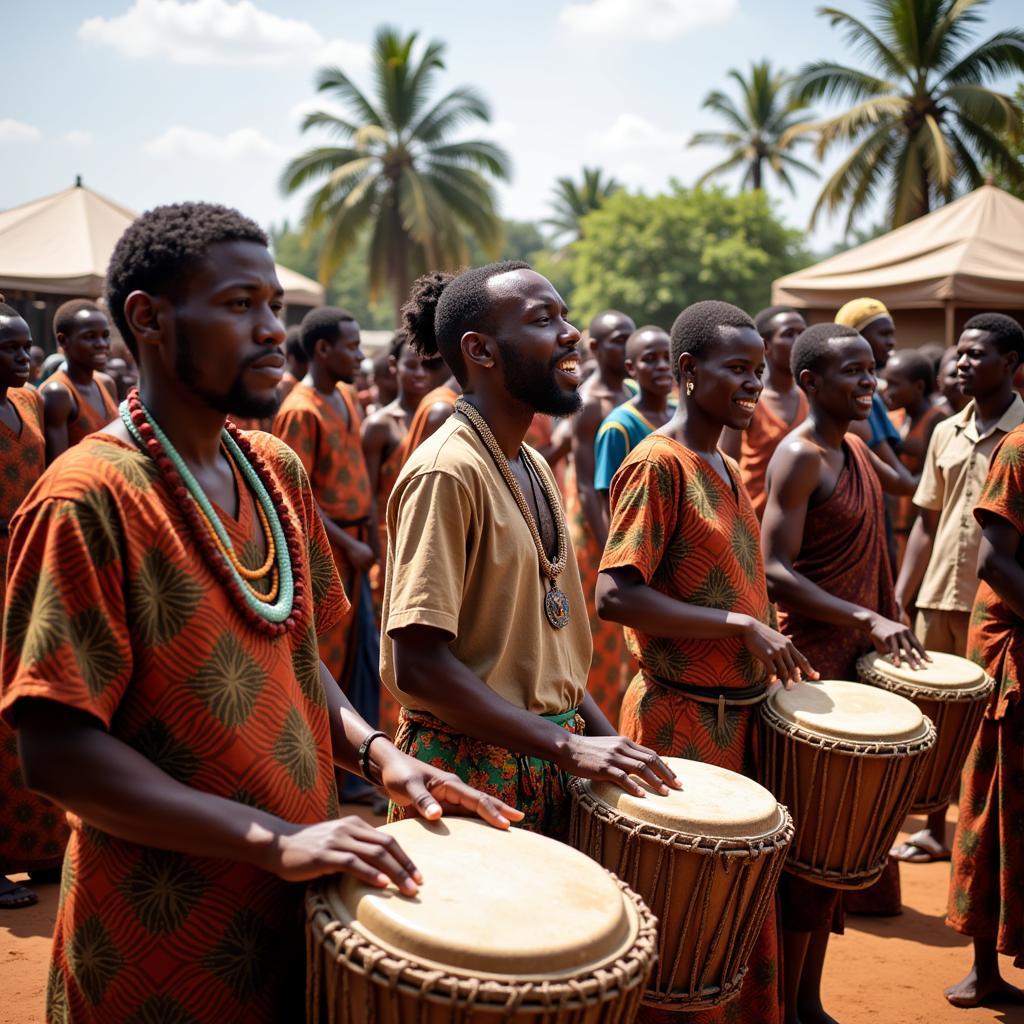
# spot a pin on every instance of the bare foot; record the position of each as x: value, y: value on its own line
x: 814, y: 1015
x: 973, y: 992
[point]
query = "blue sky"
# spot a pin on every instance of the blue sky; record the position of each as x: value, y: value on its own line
x: 154, y: 101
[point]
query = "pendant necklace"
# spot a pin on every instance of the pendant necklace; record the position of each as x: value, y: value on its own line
x: 556, y: 603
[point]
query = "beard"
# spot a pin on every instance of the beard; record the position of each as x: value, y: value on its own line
x: 237, y: 400
x: 534, y: 385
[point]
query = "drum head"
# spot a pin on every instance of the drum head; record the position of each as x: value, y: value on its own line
x: 943, y: 672
x: 714, y: 802
x: 493, y: 902
x: 839, y: 709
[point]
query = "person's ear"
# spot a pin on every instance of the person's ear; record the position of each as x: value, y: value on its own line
x: 143, y: 313
x: 630, y: 368
x: 808, y: 380
x: 479, y: 349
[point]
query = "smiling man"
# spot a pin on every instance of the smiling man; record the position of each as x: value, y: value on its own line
x: 168, y: 578
x: 487, y: 641
x: 81, y: 399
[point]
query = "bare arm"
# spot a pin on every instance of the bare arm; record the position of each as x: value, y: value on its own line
x: 623, y: 596
x: 916, y: 557
x: 106, y: 381
x: 793, y: 477
x: 468, y: 706
x: 439, y: 413
x: 58, y: 411
x: 375, y: 436
x: 894, y: 477
x: 731, y: 442
x: 997, y: 561
x: 584, y: 434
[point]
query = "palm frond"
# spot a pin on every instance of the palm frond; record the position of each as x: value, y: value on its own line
x: 479, y: 153
x: 456, y: 109
x: 334, y: 124
x: 835, y: 82
x: 315, y: 163
x: 334, y: 80
x: 866, y: 40
x: 1003, y: 54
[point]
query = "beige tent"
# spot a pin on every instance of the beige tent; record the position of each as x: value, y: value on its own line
x: 61, y: 244
x: 933, y: 273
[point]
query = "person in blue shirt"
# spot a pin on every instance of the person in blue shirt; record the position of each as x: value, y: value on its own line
x: 648, y: 362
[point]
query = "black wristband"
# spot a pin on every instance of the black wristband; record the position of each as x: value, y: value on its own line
x: 363, y: 755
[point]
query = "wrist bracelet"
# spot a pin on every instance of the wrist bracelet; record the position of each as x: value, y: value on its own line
x: 363, y: 755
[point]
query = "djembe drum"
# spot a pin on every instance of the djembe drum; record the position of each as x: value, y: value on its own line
x: 507, y: 927
x: 846, y: 759
x: 706, y: 859
x: 953, y: 693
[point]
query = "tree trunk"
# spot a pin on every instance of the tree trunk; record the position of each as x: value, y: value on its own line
x: 756, y: 176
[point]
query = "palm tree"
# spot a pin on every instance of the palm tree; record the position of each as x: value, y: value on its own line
x: 765, y: 113
x: 572, y: 202
x: 397, y: 171
x: 923, y: 123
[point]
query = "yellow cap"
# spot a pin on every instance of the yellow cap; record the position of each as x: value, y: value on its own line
x: 858, y: 313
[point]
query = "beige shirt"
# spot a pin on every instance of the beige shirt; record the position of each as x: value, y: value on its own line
x: 462, y: 559
x: 955, y: 468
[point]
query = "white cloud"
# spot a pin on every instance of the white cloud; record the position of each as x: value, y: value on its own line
x: 217, y: 32
x: 633, y: 134
x: 78, y: 137
x: 18, y: 131
x: 191, y: 143
x: 645, y: 19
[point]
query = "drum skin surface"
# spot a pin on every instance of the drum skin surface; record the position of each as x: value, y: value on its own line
x: 846, y: 759
x: 953, y: 692
x: 705, y: 859
x: 508, y: 925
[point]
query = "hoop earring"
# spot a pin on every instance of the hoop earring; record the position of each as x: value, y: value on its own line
x: 689, y: 388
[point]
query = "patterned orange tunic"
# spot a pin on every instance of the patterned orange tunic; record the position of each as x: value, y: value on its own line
x: 416, y: 436
x: 33, y: 833
x: 112, y: 611
x: 609, y: 664
x: 695, y: 539
x: 331, y: 451
x: 88, y: 420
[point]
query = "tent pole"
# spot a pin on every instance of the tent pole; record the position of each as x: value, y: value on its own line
x: 950, y: 322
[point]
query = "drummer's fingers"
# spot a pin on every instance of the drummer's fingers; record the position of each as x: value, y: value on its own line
x: 792, y: 672
x: 651, y: 759
x: 894, y: 649
x: 379, y: 859
x: 457, y: 793
x: 623, y: 779
x: 805, y: 666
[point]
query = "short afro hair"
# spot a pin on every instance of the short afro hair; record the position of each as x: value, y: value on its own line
x: 698, y: 327
x: 322, y: 322
x: 293, y: 344
x: 399, y: 342
x: 8, y: 311
x: 443, y: 307
x: 763, y: 319
x: 812, y: 349
x: 1006, y: 332
x: 64, y: 318
x: 917, y: 367
x: 158, y: 250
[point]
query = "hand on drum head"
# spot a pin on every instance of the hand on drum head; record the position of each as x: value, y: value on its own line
x: 898, y: 641
x: 776, y: 652
x: 616, y: 759
x: 349, y: 845
x: 433, y: 792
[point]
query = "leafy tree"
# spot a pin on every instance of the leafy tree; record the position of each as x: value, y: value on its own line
x: 571, y: 202
x: 397, y: 169
x: 757, y: 136
x: 651, y: 256
x: 522, y: 240
x: 1016, y: 147
x: 923, y: 123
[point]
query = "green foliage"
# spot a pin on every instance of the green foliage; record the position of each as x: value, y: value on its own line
x: 397, y: 169
x: 651, y: 256
x: 757, y: 137
x: 923, y: 123
x: 1016, y: 147
x: 572, y: 202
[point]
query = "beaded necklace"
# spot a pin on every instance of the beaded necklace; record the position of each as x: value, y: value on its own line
x: 556, y: 602
x: 276, y: 611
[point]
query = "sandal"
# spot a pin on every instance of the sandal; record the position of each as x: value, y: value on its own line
x: 14, y: 896
x: 920, y: 848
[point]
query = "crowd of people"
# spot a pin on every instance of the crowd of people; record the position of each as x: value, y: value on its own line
x: 254, y: 586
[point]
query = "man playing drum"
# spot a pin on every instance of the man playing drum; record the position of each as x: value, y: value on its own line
x: 823, y: 539
x: 167, y: 581
x: 489, y: 639
x: 682, y: 571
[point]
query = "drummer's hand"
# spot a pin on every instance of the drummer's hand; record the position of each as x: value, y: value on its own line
x: 433, y: 791
x: 776, y: 652
x: 898, y: 641
x: 349, y: 845
x: 615, y: 759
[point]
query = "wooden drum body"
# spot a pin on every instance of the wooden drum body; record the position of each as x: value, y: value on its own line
x: 846, y: 759
x: 507, y: 927
x: 952, y: 692
x: 706, y: 860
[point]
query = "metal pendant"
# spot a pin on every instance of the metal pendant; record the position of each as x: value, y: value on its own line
x: 556, y: 608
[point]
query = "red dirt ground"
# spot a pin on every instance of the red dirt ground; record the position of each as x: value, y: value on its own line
x: 883, y: 971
